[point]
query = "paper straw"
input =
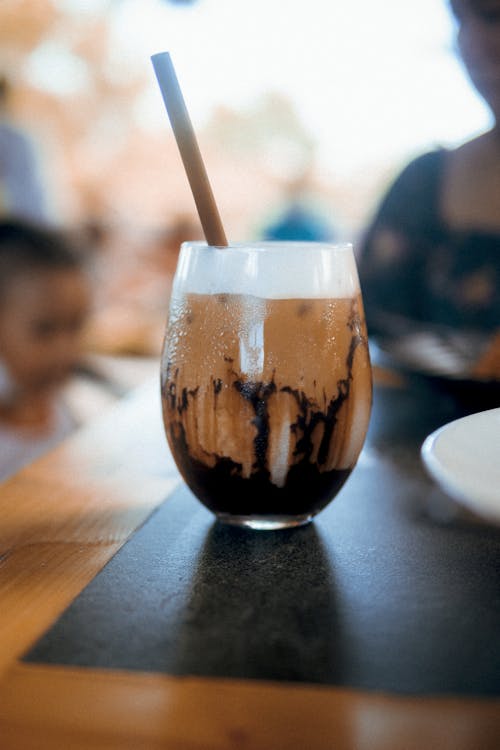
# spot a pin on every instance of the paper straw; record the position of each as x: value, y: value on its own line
x: 189, y: 149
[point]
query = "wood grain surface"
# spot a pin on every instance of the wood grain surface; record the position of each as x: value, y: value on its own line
x: 63, y: 517
x: 47, y: 707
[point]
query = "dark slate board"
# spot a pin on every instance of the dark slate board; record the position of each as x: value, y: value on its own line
x: 374, y: 594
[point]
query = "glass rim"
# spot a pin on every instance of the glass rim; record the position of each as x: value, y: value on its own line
x: 263, y: 245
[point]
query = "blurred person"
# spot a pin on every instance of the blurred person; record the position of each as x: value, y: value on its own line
x: 44, y: 302
x: 431, y: 258
x: 21, y: 188
x: 300, y: 218
x: 298, y: 222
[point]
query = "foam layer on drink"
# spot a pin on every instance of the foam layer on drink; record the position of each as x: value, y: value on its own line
x: 309, y: 270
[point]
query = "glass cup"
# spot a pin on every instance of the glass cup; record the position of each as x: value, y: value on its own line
x: 265, y: 378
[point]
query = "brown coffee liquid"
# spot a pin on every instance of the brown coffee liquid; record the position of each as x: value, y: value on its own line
x: 266, y: 402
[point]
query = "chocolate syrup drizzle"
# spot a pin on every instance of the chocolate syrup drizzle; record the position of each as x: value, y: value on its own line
x: 223, y: 483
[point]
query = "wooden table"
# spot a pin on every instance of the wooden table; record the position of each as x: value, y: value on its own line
x: 64, y: 517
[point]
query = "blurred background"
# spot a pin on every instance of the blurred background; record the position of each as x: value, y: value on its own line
x: 318, y: 102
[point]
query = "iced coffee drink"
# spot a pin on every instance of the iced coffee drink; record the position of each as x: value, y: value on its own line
x: 266, y: 378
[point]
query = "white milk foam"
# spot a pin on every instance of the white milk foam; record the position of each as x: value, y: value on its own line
x: 279, y: 270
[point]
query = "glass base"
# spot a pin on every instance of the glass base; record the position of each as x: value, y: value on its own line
x: 264, y: 523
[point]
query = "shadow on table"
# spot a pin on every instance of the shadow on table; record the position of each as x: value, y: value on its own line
x: 263, y: 604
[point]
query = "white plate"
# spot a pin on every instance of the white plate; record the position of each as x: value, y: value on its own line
x: 464, y: 458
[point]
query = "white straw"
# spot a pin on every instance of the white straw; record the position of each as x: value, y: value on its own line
x: 189, y: 149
